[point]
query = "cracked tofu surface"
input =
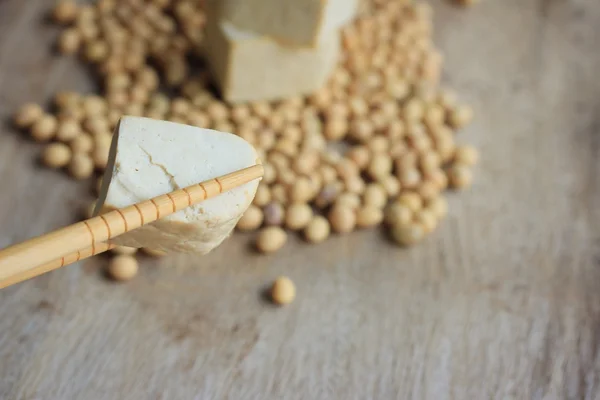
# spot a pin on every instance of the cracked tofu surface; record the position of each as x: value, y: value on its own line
x: 149, y: 158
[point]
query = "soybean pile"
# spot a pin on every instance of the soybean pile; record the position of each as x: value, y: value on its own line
x: 376, y: 147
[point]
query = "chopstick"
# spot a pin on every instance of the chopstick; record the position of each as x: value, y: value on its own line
x: 56, y: 264
x: 87, y: 238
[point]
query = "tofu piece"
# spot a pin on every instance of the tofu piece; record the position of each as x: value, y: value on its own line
x: 149, y: 158
x: 248, y: 67
x: 301, y: 23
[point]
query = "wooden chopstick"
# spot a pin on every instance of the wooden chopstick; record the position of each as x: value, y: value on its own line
x: 56, y: 264
x: 90, y: 237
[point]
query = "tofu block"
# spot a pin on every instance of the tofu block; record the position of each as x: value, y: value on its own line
x: 248, y: 67
x: 149, y: 158
x: 302, y: 23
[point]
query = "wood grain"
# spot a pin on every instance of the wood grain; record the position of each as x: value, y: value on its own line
x: 503, y: 302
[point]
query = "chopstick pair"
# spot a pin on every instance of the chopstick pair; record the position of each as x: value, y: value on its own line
x: 90, y: 237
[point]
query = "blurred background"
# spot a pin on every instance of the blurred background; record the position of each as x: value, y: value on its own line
x: 497, y: 298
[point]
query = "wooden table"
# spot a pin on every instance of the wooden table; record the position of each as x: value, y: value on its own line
x: 502, y: 302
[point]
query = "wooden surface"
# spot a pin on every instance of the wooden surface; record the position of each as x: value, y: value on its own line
x: 503, y: 302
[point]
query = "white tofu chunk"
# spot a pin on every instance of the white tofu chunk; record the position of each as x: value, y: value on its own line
x: 149, y: 158
x: 298, y: 23
x: 247, y: 67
